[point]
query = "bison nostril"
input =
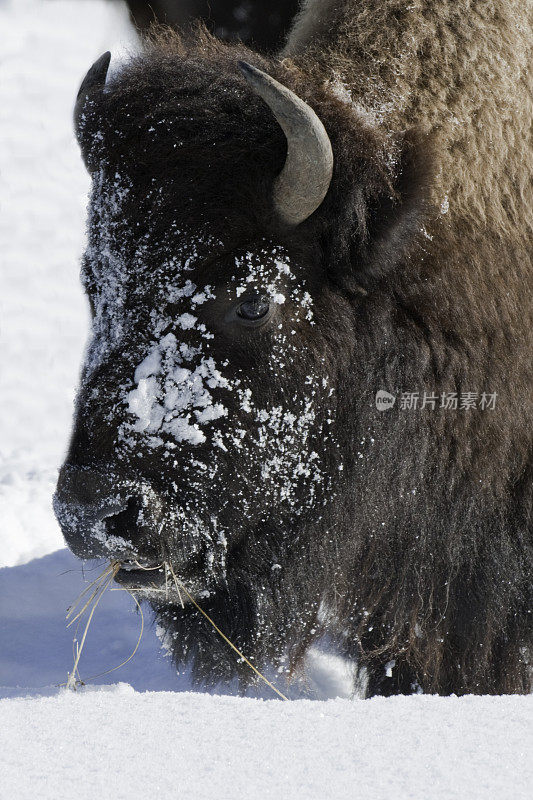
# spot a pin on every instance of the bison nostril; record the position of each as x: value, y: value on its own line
x: 110, y: 511
x: 124, y: 521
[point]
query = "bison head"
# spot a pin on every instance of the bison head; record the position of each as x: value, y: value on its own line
x: 227, y: 269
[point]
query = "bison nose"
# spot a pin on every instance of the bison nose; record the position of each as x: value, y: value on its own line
x: 99, y: 513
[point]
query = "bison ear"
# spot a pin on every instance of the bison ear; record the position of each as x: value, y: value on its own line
x: 86, y: 111
x: 394, y: 216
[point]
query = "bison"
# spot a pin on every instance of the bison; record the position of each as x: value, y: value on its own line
x: 308, y: 382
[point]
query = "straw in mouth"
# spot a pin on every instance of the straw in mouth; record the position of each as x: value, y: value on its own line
x: 90, y: 597
x: 93, y: 593
x: 181, y: 589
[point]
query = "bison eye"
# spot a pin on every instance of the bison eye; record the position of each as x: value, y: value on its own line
x: 254, y: 308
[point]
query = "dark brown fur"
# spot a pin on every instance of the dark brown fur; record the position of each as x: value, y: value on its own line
x: 258, y: 24
x: 423, y: 554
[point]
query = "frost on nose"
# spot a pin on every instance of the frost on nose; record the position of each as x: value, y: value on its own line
x: 172, y: 393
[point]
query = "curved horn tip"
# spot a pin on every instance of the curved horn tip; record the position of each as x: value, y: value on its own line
x: 244, y: 66
x: 248, y: 70
x: 97, y: 74
x: 262, y: 81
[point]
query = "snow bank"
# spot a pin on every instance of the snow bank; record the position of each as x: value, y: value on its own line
x: 121, y: 744
x: 114, y: 742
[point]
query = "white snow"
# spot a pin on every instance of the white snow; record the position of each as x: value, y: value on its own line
x: 124, y: 745
x: 186, y: 321
x: 168, y: 393
x: 149, y: 736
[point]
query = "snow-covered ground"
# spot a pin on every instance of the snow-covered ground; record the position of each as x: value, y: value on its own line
x: 122, y: 744
x: 149, y: 736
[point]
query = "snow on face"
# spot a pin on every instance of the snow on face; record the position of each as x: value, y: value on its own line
x: 174, y: 383
x: 179, y: 392
x: 172, y: 390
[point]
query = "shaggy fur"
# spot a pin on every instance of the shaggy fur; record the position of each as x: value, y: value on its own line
x: 415, y: 551
x: 254, y: 22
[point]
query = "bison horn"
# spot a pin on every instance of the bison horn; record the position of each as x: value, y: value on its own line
x: 303, y: 182
x: 95, y: 79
